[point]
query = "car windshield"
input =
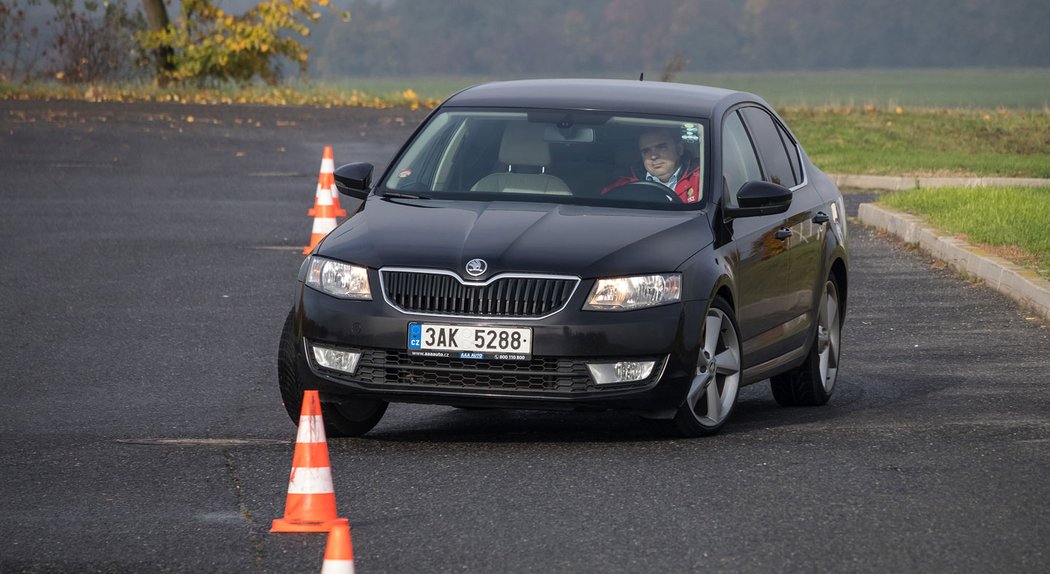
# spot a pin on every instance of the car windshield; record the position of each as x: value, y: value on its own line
x: 561, y: 156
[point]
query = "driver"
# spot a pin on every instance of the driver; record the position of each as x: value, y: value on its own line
x: 665, y: 163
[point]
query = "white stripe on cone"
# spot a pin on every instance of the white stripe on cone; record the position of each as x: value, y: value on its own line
x: 310, y: 480
x: 311, y: 429
x: 324, y: 196
x: 327, y: 165
x: 324, y: 224
x: 338, y: 567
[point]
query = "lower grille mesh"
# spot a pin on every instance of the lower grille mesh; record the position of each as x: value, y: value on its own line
x: 557, y: 375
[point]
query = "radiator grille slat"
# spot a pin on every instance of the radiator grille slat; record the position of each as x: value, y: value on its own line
x: 443, y: 294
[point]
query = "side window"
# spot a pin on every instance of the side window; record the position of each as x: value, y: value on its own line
x: 770, y: 147
x: 792, y: 149
x: 739, y: 164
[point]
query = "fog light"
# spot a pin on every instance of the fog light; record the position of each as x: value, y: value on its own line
x: 336, y: 359
x: 621, y: 372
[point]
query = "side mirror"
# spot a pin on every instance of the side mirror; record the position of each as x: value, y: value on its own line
x: 354, y: 179
x: 757, y: 198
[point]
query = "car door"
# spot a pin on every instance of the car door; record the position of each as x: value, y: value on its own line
x: 760, y: 249
x: 780, y: 161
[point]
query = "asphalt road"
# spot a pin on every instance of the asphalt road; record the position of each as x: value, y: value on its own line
x: 146, y: 266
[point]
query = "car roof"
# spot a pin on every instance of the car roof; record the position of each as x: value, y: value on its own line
x: 661, y: 98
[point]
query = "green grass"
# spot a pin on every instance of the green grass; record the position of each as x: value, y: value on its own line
x: 884, y: 89
x: 887, y: 89
x: 1012, y: 222
x: 955, y: 142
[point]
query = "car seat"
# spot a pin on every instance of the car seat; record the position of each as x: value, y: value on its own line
x: 527, y: 156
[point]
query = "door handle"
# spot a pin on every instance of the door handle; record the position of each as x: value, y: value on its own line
x: 821, y: 218
x: 782, y: 233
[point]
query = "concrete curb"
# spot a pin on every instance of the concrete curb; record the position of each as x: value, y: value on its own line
x: 1024, y: 286
x: 897, y: 182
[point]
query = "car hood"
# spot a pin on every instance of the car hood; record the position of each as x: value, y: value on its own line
x: 518, y: 237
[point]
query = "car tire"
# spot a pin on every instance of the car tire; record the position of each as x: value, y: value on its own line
x: 350, y: 417
x: 812, y: 382
x: 716, y: 380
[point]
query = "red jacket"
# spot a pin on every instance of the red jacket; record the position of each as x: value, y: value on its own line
x: 687, y: 188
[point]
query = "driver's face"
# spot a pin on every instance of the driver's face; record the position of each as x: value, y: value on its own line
x: 660, y: 153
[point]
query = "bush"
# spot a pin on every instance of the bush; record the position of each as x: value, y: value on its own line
x: 206, y: 44
x: 93, y: 46
x: 18, y: 58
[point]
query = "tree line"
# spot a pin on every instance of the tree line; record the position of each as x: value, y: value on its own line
x: 507, y: 37
x: 220, y: 41
x: 87, y: 41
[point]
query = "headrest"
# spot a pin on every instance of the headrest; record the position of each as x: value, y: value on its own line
x: 523, y: 144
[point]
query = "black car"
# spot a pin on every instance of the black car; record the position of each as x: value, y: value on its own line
x: 577, y: 245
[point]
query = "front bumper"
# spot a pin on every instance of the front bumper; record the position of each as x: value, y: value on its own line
x: 556, y: 378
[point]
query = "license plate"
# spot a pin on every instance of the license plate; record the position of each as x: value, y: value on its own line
x: 468, y: 342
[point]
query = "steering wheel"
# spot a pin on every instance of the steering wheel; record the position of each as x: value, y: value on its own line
x: 644, y: 190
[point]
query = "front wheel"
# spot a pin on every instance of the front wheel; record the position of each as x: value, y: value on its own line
x: 712, y: 394
x: 350, y: 417
x: 812, y: 382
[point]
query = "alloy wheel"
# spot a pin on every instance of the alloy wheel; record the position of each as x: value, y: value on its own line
x: 829, y: 332
x: 717, y: 377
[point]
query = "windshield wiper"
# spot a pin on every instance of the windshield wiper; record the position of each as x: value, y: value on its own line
x: 401, y: 195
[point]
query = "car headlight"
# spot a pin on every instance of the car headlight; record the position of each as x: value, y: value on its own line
x: 627, y: 293
x: 338, y: 279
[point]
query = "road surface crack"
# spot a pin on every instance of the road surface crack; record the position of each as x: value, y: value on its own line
x: 238, y: 491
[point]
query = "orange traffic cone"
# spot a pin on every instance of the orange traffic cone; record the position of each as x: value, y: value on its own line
x: 339, y: 554
x: 310, y: 506
x: 326, y: 180
x: 335, y: 196
x: 324, y: 211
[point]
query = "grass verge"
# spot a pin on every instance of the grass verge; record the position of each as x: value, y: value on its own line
x: 988, y: 88
x: 291, y: 94
x: 925, y: 142
x: 1011, y: 222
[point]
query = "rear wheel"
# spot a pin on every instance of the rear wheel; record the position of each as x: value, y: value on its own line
x: 712, y: 394
x: 350, y: 417
x: 812, y: 382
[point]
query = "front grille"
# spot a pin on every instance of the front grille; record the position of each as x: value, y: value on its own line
x: 552, y: 375
x: 445, y: 294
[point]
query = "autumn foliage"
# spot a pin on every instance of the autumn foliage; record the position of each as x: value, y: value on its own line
x: 207, y: 44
